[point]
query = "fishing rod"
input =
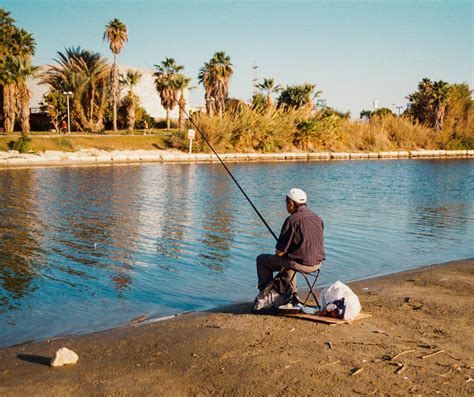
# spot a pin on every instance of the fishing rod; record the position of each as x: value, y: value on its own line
x: 227, y: 169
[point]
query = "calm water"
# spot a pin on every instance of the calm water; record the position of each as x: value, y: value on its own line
x: 84, y: 249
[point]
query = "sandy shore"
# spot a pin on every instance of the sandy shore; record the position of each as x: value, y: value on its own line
x: 94, y: 156
x: 418, y: 346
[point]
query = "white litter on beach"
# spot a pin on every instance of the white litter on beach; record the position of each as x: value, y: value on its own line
x: 64, y: 356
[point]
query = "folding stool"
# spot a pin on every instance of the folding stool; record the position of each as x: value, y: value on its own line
x: 312, y: 292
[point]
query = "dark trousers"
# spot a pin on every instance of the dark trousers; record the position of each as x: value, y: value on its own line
x: 268, y: 263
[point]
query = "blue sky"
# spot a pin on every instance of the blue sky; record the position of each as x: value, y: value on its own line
x: 354, y: 51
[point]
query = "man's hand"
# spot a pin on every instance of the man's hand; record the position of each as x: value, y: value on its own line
x: 279, y: 253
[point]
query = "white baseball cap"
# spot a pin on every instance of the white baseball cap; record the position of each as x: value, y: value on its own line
x: 297, y: 195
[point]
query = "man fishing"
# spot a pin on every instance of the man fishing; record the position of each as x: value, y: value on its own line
x: 300, y: 245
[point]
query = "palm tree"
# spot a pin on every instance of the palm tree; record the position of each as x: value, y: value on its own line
x: 164, y: 75
x: 428, y: 104
x: 24, y: 71
x: 441, y: 92
x: 23, y: 44
x: 7, y: 31
x: 268, y: 87
x: 116, y: 34
x: 95, y: 70
x: 8, y: 81
x: 85, y: 74
x: 222, y: 68
x: 131, y: 79
x: 205, y: 78
x: 180, y: 83
x: 215, y: 76
x: 298, y: 96
x: 16, y: 48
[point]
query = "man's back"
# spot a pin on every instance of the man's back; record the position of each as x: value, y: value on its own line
x: 302, y: 237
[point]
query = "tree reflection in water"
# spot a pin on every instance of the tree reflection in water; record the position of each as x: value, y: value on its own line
x: 431, y: 214
x: 99, y: 222
x: 19, y: 237
x: 216, y: 225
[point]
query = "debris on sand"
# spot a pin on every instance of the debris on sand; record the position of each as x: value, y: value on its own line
x: 64, y: 356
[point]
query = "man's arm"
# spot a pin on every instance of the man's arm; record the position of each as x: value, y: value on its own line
x: 286, y: 236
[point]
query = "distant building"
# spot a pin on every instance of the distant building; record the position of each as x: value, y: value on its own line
x: 145, y: 90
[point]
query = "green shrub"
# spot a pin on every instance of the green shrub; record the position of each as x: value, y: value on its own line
x: 23, y: 144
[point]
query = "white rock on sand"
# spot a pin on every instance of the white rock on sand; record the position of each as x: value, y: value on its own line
x: 64, y: 356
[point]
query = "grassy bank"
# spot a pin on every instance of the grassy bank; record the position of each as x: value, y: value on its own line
x: 72, y: 143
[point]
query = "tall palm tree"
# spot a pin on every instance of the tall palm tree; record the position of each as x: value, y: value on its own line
x: 24, y: 70
x: 8, y: 81
x: 7, y: 31
x: 223, y: 70
x: 116, y: 34
x: 205, y: 78
x: 164, y: 75
x: 17, y: 47
x: 215, y: 76
x: 180, y: 83
x: 268, y: 87
x: 131, y: 79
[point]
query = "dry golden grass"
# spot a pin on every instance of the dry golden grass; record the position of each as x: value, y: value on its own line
x: 276, y: 130
x: 386, y: 133
x: 246, y: 130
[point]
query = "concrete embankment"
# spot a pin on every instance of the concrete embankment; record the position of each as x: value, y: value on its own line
x: 93, y: 156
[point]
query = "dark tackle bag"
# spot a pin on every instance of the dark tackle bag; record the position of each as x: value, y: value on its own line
x: 276, y: 293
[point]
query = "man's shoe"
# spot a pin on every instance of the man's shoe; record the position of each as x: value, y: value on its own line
x: 295, y: 300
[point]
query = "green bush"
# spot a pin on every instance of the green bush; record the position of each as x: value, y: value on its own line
x: 22, y: 144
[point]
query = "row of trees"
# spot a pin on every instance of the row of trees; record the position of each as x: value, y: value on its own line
x: 17, y: 47
x: 97, y: 85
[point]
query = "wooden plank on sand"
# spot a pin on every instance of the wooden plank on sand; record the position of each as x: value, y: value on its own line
x: 326, y: 320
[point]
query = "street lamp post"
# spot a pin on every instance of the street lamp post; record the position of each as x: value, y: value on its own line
x: 68, y: 94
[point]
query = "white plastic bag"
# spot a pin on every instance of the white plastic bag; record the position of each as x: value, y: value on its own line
x: 339, y: 290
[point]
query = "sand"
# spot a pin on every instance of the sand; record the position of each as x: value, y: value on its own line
x: 419, y: 341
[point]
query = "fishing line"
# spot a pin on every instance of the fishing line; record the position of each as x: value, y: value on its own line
x: 227, y: 169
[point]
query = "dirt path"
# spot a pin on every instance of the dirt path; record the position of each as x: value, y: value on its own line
x: 418, y: 346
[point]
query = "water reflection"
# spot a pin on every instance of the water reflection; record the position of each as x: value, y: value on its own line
x: 19, y: 238
x: 90, y: 223
x: 216, y: 226
x: 430, y: 220
x: 172, y: 197
x: 440, y: 204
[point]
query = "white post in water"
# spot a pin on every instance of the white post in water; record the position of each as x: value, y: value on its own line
x: 191, y: 136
